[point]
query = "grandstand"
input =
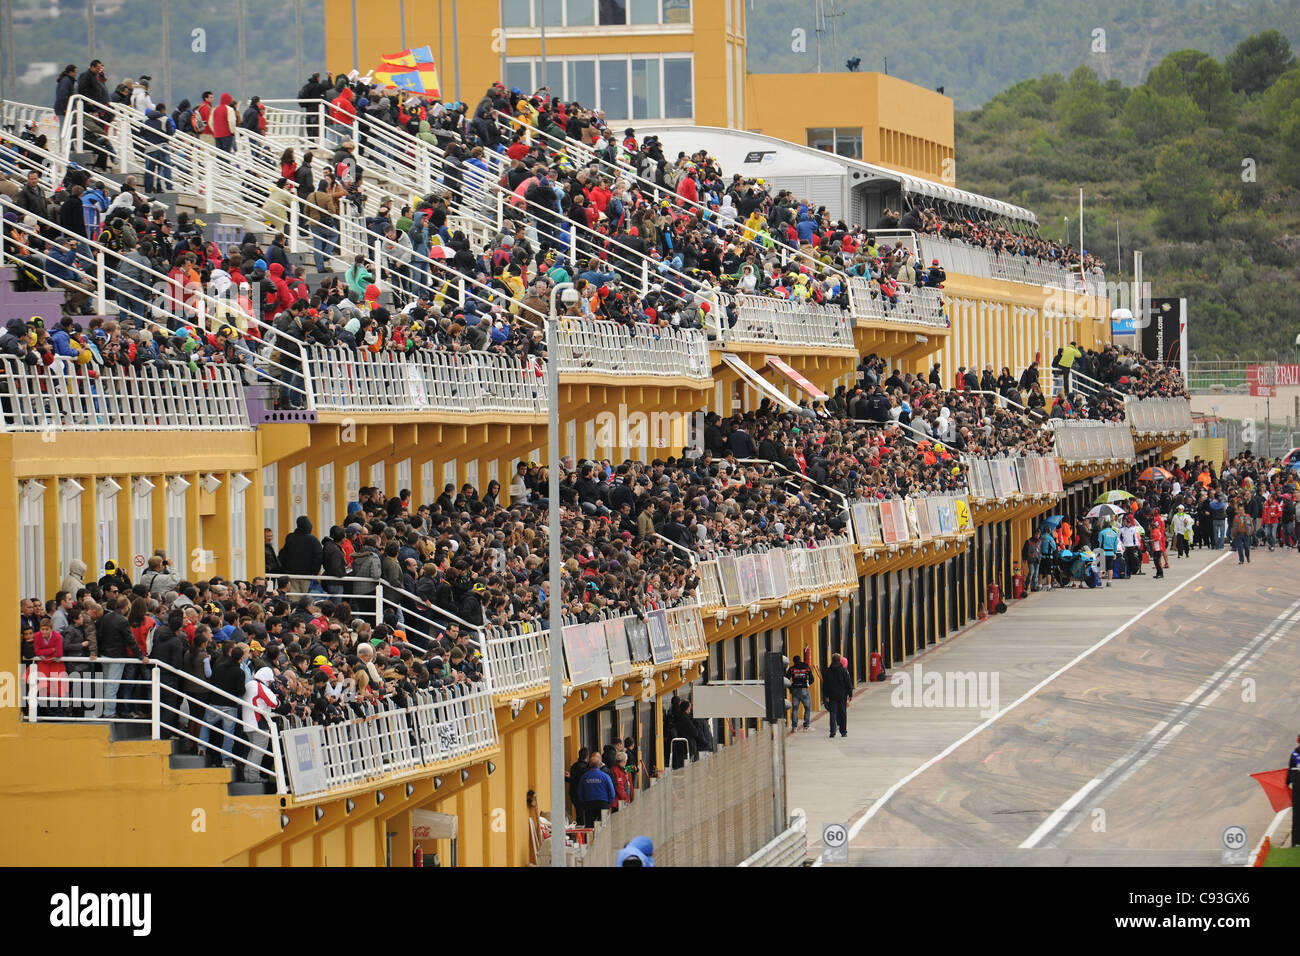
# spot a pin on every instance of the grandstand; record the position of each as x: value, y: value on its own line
x: 782, y: 429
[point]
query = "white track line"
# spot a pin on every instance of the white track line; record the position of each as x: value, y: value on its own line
x: 885, y: 797
x: 1159, y: 736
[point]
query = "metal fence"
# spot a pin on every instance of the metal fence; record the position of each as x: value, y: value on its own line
x: 788, y: 323
x: 739, y: 580
x: 356, y: 381
x: 441, y: 725
x: 640, y: 349
x: 787, y: 848
x: 918, y: 305
x: 966, y: 259
x: 1093, y: 441
x: 1158, y: 415
x: 714, y: 812
x: 67, y: 396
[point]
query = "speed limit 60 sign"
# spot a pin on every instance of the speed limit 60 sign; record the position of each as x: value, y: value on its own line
x: 835, y: 843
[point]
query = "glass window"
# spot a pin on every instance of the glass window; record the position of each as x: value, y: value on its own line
x: 581, y: 13
x: 554, y: 76
x: 519, y: 74
x: 582, y: 82
x: 518, y: 13
x: 613, y: 13
x: 848, y: 142
x: 678, y: 101
x: 677, y: 11
x: 823, y: 139
x: 554, y: 12
x: 645, y: 89
x: 613, y: 89
x: 644, y: 11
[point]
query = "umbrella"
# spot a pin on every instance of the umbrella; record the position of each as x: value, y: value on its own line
x: 1155, y: 474
x: 1110, y: 497
x: 1105, y: 511
x: 1054, y: 521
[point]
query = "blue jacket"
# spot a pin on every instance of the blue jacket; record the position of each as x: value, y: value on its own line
x: 596, y: 786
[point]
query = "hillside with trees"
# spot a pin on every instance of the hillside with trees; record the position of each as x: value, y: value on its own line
x: 1198, y: 166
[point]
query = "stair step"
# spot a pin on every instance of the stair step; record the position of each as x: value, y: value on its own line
x: 186, y: 762
x: 242, y: 789
x: 121, y: 731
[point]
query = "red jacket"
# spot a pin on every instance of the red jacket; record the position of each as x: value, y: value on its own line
x: 342, y: 110
x: 621, y: 788
x: 224, y: 120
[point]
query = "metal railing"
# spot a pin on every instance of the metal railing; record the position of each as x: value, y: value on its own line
x: 739, y: 580
x: 1083, y: 384
x: 639, y: 349
x: 440, y: 725
x: 348, y: 380
x: 966, y: 259
x: 784, y: 322
x: 1005, y: 476
x: 1080, y: 441
x: 168, y: 695
x: 1160, y: 416
x: 918, y: 305
x: 66, y: 396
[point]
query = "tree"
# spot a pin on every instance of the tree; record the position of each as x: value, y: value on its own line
x: 1152, y: 117
x: 1181, y: 190
x: 1259, y: 60
x: 1084, y: 111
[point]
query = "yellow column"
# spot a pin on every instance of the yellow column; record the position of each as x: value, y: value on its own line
x: 9, y: 596
x: 219, y: 526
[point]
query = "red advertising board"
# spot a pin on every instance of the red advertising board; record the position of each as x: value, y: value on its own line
x: 1264, y: 379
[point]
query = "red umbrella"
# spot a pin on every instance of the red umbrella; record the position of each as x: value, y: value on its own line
x: 1155, y: 474
x: 1274, y: 784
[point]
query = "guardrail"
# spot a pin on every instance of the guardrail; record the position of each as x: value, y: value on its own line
x: 639, y: 349
x: 739, y: 580
x: 1078, y: 441
x: 787, y: 323
x: 357, y: 381
x: 919, y: 305
x: 67, y: 396
x: 893, y: 522
x: 965, y: 259
x: 441, y: 725
x: 1158, y: 416
x: 787, y: 848
x: 1004, y: 477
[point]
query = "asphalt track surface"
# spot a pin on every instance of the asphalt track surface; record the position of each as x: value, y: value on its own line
x: 1127, y: 723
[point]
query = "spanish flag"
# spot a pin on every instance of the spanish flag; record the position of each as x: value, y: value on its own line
x: 408, y: 58
x: 422, y: 79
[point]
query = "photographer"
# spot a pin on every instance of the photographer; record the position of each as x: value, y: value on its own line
x: 160, y: 578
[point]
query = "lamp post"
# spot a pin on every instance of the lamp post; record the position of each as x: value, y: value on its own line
x: 553, y: 588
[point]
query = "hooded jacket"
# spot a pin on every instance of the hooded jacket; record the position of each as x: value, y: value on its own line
x: 302, y: 553
x: 224, y: 119
x: 76, y: 577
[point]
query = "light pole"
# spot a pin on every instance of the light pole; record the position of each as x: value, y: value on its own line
x: 554, y: 603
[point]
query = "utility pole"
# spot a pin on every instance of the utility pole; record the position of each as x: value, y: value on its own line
x: 243, y: 65
x: 554, y: 597
x: 541, y: 15
x: 501, y: 19
x: 297, y: 34
x: 455, y: 47
x: 167, y: 54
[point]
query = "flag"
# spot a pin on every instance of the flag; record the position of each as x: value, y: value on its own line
x: 414, y: 57
x: 421, y: 79
x: 1274, y: 784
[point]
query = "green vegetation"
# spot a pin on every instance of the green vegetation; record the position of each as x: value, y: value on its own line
x: 1283, y: 856
x: 976, y: 48
x: 1199, y: 166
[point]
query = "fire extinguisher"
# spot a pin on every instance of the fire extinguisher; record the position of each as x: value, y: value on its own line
x: 995, y: 598
x: 419, y: 856
x: 1018, y: 583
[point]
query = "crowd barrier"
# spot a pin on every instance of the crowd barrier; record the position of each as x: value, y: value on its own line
x: 739, y: 580
x: 640, y: 349
x: 67, y: 396
x: 787, y: 323
x: 613, y: 647
x: 1093, y: 441
x: 1000, y: 478
x: 1161, y: 416
x: 440, y: 725
x: 966, y: 259
x: 897, y: 521
x: 918, y: 305
x: 346, y: 380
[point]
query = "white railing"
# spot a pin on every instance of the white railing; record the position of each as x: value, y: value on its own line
x: 965, y: 259
x: 440, y: 725
x: 1158, y: 416
x: 519, y: 657
x: 168, y: 696
x: 1078, y: 441
x: 347, y: 380
x: 919, y: 305
x: 18, y: 158
x: 588, y: 346
x: 893, y: 522
x: 65, y: 397
x: 14, y: 114
x: 1008, y: 476
x: 1084, y: 384
x: 787, y: 323
x: 739, y: 580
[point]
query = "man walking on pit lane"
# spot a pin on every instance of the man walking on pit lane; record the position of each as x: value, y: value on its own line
x: 836, y: 688
x: 800, y: 676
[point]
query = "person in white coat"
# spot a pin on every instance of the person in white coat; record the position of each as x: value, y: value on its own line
x: 260, y: 701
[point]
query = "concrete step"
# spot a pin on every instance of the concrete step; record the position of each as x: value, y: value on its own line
x: 242, y: 789
x: 122, y: 731
x: 186, y: 762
